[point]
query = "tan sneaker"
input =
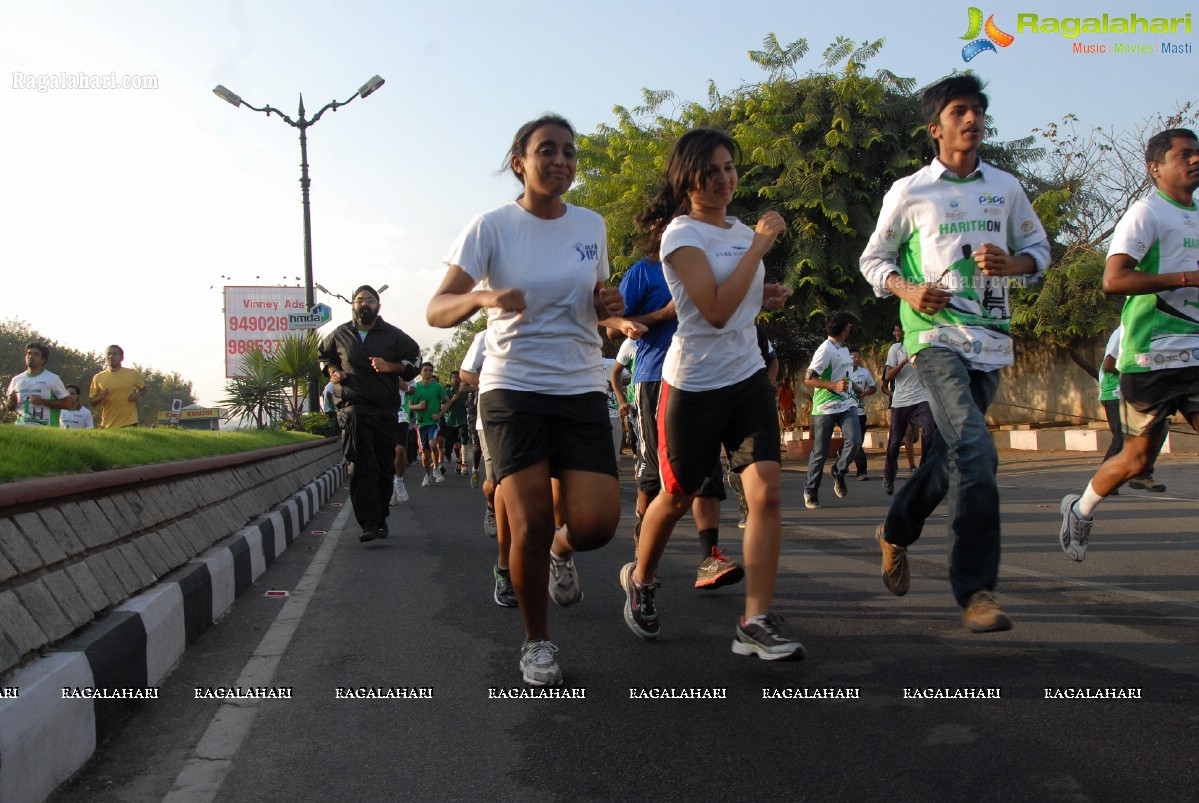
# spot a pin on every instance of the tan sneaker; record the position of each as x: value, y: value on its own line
x: 983, y: 614
x: 896, y: 575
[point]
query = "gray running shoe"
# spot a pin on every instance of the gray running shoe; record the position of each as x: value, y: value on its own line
x: 1075, y: 531
x: 538, y: 664
x: 489, y: 521
x: 564, y: 581
x: 505, y: 594
x: 640, y: 614
x: 763, y: 637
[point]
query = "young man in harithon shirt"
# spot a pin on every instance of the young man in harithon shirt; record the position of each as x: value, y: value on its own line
x: 1152, y: 260
x: 949, y: 237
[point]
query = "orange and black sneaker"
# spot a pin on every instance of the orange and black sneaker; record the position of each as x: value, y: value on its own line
x: 716, y: 570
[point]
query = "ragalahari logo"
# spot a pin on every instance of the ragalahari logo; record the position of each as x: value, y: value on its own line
x: 994, y: 36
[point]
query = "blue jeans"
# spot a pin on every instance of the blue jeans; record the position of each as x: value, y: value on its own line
x: 960, y: 465
x: 822, y: 435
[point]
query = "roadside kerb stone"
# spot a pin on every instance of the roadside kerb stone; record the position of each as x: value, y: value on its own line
x: 40, y: 603
x: 141, y: 570
x: 91, y: 524
x: 117, y: 516
x: 17, y: 549
x: 60, y: 530
x: 152, y: 554
x: 110, y: 585
x: 39, y: 538
x: 89, y: 587
x: 124, y: 572
x: 7, y: 570
x: 20, y: 628
x: 69, y: 598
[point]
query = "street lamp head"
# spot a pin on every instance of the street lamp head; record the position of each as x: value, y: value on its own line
x: 226, y: 95
x: 369, y: 87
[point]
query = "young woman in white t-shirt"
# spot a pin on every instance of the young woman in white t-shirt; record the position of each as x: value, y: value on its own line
x: 540, y: 266
x: 715, y: 388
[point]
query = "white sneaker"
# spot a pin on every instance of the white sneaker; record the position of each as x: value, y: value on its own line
x: 427, y: 481
x: 438, y: 476
x: 399, y: 494
x: 564, y: 581
x: 1075, y: 531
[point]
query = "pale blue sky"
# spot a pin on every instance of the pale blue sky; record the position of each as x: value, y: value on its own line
x: 123, y: 207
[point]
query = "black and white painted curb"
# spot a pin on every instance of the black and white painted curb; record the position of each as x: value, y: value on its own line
x: 46, y: 734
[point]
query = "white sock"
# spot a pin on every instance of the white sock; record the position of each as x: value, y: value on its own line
x: 1085, y: 507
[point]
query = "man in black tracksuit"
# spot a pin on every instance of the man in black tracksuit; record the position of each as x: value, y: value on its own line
x: 364, y: 359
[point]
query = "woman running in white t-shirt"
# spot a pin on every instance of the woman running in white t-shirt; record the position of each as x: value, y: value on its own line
x: 540, y: 265
x: 715, y: 389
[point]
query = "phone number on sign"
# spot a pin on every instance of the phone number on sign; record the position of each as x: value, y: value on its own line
x: 258, y: 323
x: 242, y: 346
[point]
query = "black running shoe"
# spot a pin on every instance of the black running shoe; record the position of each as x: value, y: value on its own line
x: 639, y: 612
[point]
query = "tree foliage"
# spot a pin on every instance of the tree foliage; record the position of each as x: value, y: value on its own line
x: 78, y: 367
x: 447, y: 357
x: 259, y: 394
x: 296, y: 360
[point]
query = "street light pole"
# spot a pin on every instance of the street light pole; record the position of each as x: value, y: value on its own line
x: 303, y: 125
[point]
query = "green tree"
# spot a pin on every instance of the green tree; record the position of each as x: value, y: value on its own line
x: 447, y: 356
x: 259, y: 394
x: 296, y: 359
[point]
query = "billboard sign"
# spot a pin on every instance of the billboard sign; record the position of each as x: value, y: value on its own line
x: 257, y: 317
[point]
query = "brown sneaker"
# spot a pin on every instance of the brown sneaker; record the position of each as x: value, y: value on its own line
x: 983, y: 614
x: 896, y: 575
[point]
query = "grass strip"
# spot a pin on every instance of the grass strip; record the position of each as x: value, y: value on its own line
x: 28, y: 452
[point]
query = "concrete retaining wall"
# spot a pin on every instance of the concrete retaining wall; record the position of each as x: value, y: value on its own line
x: 143, y: 557
x: 73, y: 547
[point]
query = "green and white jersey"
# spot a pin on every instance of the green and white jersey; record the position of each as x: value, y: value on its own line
x: 45, y: 385
x: 1161, y: 330
x: 930, y: 224
x: 1109, y: 384
x: 831, y: 362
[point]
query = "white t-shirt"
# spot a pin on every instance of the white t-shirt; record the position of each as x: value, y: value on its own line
x: 862, y: 377
x: 702, y: 357
x: 472, y: 362
x: 909, y: 389
x: 832, y: 362
x: 45, y: 385
x: 552, y: 347
x: 76, y: 419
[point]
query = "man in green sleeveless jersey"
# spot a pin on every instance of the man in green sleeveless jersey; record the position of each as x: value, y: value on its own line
x: 1152, y: 260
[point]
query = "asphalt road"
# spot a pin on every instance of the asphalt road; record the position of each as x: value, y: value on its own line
x: 415, y: 612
